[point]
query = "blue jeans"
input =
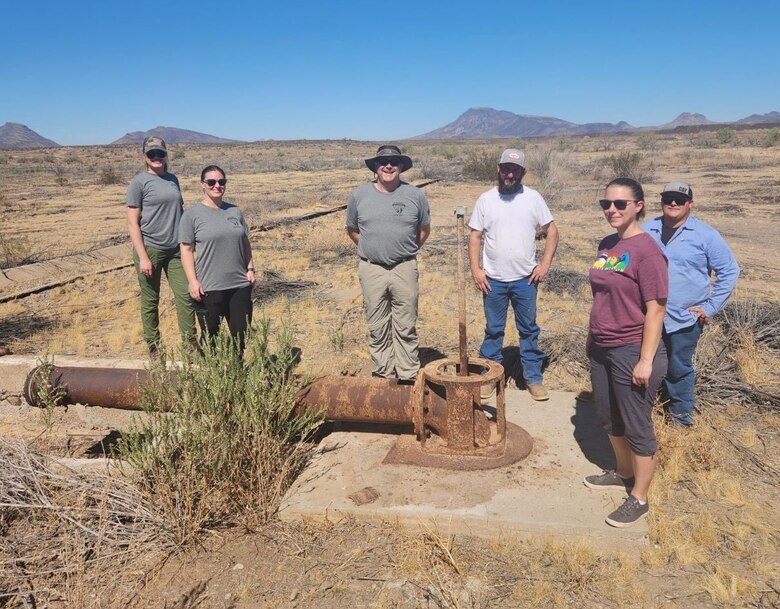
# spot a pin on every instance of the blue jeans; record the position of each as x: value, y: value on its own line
x: 680, y: 378
x: 523, y: 299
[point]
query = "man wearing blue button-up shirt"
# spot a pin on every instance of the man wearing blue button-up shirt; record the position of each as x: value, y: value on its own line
x: 695, y: 251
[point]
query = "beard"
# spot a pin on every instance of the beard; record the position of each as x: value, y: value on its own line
x: 509, y: 189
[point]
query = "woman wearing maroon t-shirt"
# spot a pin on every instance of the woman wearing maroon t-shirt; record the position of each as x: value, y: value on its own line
x: 630, y: 283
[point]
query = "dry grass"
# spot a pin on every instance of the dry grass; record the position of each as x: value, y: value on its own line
x: 712, y: 524
x: 71, y: 538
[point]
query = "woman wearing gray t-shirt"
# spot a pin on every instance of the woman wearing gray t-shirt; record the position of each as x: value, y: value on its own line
x: 222, y: 275
x: 154, y: 208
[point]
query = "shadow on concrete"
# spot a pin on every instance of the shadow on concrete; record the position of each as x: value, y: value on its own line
x: 513, y: 367
x: 428, y: 355
x: 590, y: 437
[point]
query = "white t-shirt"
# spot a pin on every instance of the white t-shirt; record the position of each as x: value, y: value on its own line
x: 508, y: 224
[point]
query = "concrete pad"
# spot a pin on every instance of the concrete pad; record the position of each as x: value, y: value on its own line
x: 541, y: 495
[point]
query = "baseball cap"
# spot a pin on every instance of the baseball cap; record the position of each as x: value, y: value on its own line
x: 678, y: 188
x: 513, y: 155
x: 154, y: 143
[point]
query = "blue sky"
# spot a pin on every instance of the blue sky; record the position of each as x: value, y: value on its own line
x: 87, y: 72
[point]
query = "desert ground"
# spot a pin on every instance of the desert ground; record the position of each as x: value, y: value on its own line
x: 714, y: 527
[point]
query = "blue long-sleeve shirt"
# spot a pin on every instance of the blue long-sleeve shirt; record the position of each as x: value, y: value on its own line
x: 695, y: 251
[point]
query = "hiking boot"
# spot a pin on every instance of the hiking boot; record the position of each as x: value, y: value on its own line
x: 486, y: 392
x: 538, y: 392
x: 629, y: 513
x: 586, y: 395
x: 609, y: 479
x: 154, y: 352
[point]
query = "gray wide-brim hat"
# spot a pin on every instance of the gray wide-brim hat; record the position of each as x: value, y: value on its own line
x: 389, y: 150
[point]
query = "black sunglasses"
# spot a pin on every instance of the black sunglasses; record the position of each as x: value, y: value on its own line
x: 620, y: 204
x: 668, y: 200
x: 156, y: 155
x: 212, y: 182
x: 395, y: 161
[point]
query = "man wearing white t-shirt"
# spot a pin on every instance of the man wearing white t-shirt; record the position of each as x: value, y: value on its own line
x: 506, y: 221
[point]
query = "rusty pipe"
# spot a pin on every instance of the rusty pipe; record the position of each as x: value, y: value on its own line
x: 348, y: 399
x: 358, y: 400
x: 106, y: 387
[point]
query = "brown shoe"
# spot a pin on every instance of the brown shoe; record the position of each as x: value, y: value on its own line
x: 538, y: 392
x: 486, y: 392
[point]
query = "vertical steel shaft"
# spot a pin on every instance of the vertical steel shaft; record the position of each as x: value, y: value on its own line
x: 463, y: 369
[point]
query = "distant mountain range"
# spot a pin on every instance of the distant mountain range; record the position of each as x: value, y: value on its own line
x: 172, y: 135
x: 487, y: 123
x: 474, y: 123
x: 14, y: 136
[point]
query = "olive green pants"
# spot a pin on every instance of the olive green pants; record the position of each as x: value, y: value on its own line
x: 170, y: 262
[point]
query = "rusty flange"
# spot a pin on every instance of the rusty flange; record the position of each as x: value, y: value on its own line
x: 467, y: 427
x: 517, y: 445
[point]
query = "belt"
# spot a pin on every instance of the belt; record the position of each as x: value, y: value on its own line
x: 388, y: 266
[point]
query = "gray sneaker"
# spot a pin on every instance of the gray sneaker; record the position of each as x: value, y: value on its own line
x: 629, y: 513
x: 609, y: 479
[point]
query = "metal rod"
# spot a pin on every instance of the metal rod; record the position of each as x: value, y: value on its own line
x: 463, y: 369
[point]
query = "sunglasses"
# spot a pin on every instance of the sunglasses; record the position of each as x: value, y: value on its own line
x: 620, y: 204
x: 211, y: 183
x: 395, y: 161
x: 674, y: 200
x: 156, y: 155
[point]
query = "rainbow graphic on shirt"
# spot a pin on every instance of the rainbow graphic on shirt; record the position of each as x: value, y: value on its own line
x: 612, y: 261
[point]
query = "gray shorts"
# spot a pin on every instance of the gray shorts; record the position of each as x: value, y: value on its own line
x: 625, y: 409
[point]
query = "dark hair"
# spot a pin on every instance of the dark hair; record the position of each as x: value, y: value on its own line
x: 211, y: 168
x: 636, y: 192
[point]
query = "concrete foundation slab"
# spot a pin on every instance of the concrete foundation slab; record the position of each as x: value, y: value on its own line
x: 541, y: 495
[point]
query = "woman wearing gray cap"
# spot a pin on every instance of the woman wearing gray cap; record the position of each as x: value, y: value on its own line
x: 154, y: 208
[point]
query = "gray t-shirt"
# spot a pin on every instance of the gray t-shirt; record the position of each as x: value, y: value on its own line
x: 159, y: 199
x: 388, y: 222
x: 217, y: 235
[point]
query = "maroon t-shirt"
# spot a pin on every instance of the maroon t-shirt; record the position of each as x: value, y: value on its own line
x: 626, y: 274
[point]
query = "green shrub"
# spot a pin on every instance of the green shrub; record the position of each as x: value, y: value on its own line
x: 13, y: 250
x: 481, y: 166
x: 109, y: 176
x: 647, y: 141
x: 230, y: 445
x: 629, y: 164
x: 545, y: 166
x: 726, y: 136
x: 772, y: 137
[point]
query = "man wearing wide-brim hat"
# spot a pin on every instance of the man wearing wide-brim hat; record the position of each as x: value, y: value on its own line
x: 389, y: 220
